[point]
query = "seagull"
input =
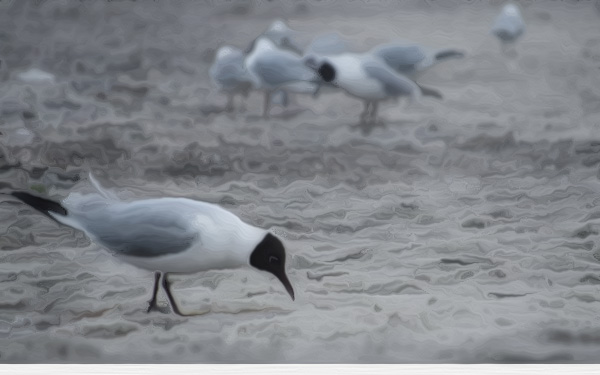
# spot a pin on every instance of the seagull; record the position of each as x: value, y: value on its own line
x: 411, y: 59
x: 324, y: 45
x: 272, y: 68
x: 229, y: 75
x: 365, y: 77
x: 167, y: 235
x: 407, y: 59
x: 509, y: 24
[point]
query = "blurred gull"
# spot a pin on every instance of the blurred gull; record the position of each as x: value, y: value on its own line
x: 272, y: 68
x: 229, y: 74
x: 408, y: 59
x: 509, y: 25
x: 167, y: 235
x: 284, y: 38
x: 366, y: 77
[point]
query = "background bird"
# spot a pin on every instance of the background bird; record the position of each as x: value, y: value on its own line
x: 272, y: 68
x: 509, y: 25
x: 366, y: 77
x: 229, y: 75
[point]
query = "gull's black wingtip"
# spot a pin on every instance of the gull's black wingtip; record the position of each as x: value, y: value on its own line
x: 43, y: 205
x: 449, y: 53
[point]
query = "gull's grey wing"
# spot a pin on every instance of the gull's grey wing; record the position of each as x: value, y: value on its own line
x: 328, y: 44
x: 402, y: 58
x: 394, y: 84
x: 278, y: 68
x: 138, y: 230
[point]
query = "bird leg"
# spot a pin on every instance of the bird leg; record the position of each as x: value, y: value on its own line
x: 267, y: 103
x: 365, y: 112
x: 230, y: 103
x: 152, y: 302
x: 167, y: 287
x: 374, y: 111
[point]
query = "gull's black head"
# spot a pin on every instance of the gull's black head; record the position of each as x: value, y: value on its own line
x: 326, y: 72
x: 269, y: 255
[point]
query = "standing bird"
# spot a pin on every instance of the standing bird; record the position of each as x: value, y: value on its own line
x: 272, y: 68
x: 229, y: 74
x: 509, y: 24
x: 412, y: 59
x: 167, y: 235
x: 365, y: 77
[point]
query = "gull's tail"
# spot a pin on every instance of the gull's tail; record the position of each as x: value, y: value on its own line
x: 427, y: 91
x: 45, y: 206
x: 448, y: 53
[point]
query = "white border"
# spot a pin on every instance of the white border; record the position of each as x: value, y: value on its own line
x: 240, y: 369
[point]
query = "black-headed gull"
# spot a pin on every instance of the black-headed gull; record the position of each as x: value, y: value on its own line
x: 365, y: 77
x: 167, y: 235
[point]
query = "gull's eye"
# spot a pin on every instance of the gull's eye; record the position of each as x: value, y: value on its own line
x: 273, y: 259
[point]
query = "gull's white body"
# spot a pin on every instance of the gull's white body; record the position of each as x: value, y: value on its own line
x: 509, y: 24
x: 354, y: 77
x: 272, y: 68
x: 183, y: 235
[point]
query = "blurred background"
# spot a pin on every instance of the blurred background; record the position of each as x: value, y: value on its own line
x: 457, y: 229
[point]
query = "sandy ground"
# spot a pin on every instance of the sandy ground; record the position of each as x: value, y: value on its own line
x: 459, y: 230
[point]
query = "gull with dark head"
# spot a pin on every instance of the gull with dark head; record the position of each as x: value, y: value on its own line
x: 167, y: 235
x: 365, y: 77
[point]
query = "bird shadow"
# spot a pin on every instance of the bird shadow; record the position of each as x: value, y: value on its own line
x: 287, y: 114
x: 211, y: 109
x: 366, y: 127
